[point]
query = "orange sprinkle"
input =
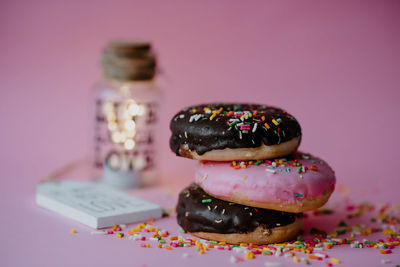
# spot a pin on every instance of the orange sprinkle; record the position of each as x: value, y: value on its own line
x: 267, y: 126
x: 313, y: 168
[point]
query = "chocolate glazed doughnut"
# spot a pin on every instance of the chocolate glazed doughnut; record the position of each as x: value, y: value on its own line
x: 228, y: 131
x: 207, y: 217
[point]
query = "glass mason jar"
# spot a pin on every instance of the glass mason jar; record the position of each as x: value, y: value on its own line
x: 127, y: 103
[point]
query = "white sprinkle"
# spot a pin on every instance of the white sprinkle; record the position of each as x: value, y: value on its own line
x: 185, y: 255
x: 233, y: 259
x: 223, y: 211
x: 122, y: 226
x: 186, y: 134
x: 271, y: 171
x: 182, y: 116
x: 385, y: 261
x: 254, y: 127
x: 321, y: 255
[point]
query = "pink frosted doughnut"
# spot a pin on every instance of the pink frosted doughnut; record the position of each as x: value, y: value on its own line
x: 294, y: 184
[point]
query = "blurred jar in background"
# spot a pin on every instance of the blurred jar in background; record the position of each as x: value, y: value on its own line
x: 127, y: 104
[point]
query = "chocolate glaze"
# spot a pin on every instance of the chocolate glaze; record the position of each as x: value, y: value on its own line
x: 196, y: 128
x: 224, y: 217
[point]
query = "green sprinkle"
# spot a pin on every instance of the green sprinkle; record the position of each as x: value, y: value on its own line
x: 341, y: 232
x: 258, y: 162
x: 298, y: 195
x: 245, y: 131
x: 299, y: 169
x: 158, y: 237
x: 215, y: 242
x: 233, y: 123
x: 307, y: 262
x: 181, y: 244
x: 162, y: 241
x: 266, y: 253
x: 279, y: 120
x: 182, y: 231
x: 208, y: 200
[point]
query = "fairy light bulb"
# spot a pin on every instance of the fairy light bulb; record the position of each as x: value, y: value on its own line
x: 129, y: 144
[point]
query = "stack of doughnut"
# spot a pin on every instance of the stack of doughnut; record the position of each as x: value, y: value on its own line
x: 251, y: 184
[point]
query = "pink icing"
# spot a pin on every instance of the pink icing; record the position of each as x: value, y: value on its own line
x: 266, y: 183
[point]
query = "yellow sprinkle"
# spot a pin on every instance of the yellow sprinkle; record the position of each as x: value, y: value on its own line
x: 275, y: 122
x: 147, y: 245
x: 244, y: 166
x: 250, y: 115
x: 136, y: 230
x: 213, y: 116
x: 119, y: 235
x: 250, y: 162
x: 222, y: 243
x: 194, y: 110
x: 73, y: 230
x: 201, y: 251
x: 335, y: 260
x: 249, y: 255
x: 233, y: 163
x: 243, y: 244
x: 388, y: 232
x: 295, y: 259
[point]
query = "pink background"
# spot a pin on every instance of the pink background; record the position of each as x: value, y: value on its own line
x: 334, y: 65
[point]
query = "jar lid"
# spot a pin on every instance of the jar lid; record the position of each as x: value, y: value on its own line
x: 128, y: 60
